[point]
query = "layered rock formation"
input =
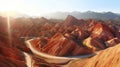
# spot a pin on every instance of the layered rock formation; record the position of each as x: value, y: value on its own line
x: 11, y: 57
x: 105, y: 58
x: 102, y: 31
x: 96, y: 39
x: 71, y: 37
x: 70, y: 20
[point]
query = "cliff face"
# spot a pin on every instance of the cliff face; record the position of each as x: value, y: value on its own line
x: 109, y: 57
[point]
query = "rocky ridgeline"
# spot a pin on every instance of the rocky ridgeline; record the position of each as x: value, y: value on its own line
x: 105, y: 58
x: 70, y: 37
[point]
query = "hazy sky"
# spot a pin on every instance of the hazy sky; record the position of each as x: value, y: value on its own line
x: 37, y: 7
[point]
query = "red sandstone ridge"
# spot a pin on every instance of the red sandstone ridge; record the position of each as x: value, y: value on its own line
x: 11, y: 57
x: 8, y: 62
x: 112, y: 42
x: 70, y: 20
x: 102, y: 31
x: 43, y: 19
x: 76, y: 40
x: 107, y: 58
x: 72, y: 37
x: 12, y: 53
x: 94, y: 43
x: 79, y: 34
x: 61, y: 46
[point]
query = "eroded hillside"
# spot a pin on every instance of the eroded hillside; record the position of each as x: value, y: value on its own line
x: 70, y: 37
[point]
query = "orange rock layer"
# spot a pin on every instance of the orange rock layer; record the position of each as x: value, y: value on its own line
x: 109, y: 57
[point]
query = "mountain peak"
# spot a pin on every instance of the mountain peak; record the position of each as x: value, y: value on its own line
x: 43, y: 19
x: 70, y: 17
x: 70, y: 20
x: 86, y: 15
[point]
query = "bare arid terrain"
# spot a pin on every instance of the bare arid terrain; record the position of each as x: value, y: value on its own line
x: 62, y: 40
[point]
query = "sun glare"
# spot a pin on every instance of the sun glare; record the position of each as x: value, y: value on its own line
x: 9, y: 30
x: 9, y: 6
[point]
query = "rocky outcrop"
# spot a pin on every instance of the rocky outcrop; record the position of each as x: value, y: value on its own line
x: 102, y: 31
x: 112, y: 42
x: 68, y: 38
x: 12, y: 53
x: 61, y: 46
x: 70, y: 20
x: 8, y: 62
x: 105, y: 58
x: 94, y: 43
x: 11, y: 57
x: 79, y: 34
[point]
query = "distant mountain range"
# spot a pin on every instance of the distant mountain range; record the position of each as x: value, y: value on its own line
x: 84, y: 15
x: 63, y: 15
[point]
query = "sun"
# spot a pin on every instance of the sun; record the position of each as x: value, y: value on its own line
x: 9, y: 6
